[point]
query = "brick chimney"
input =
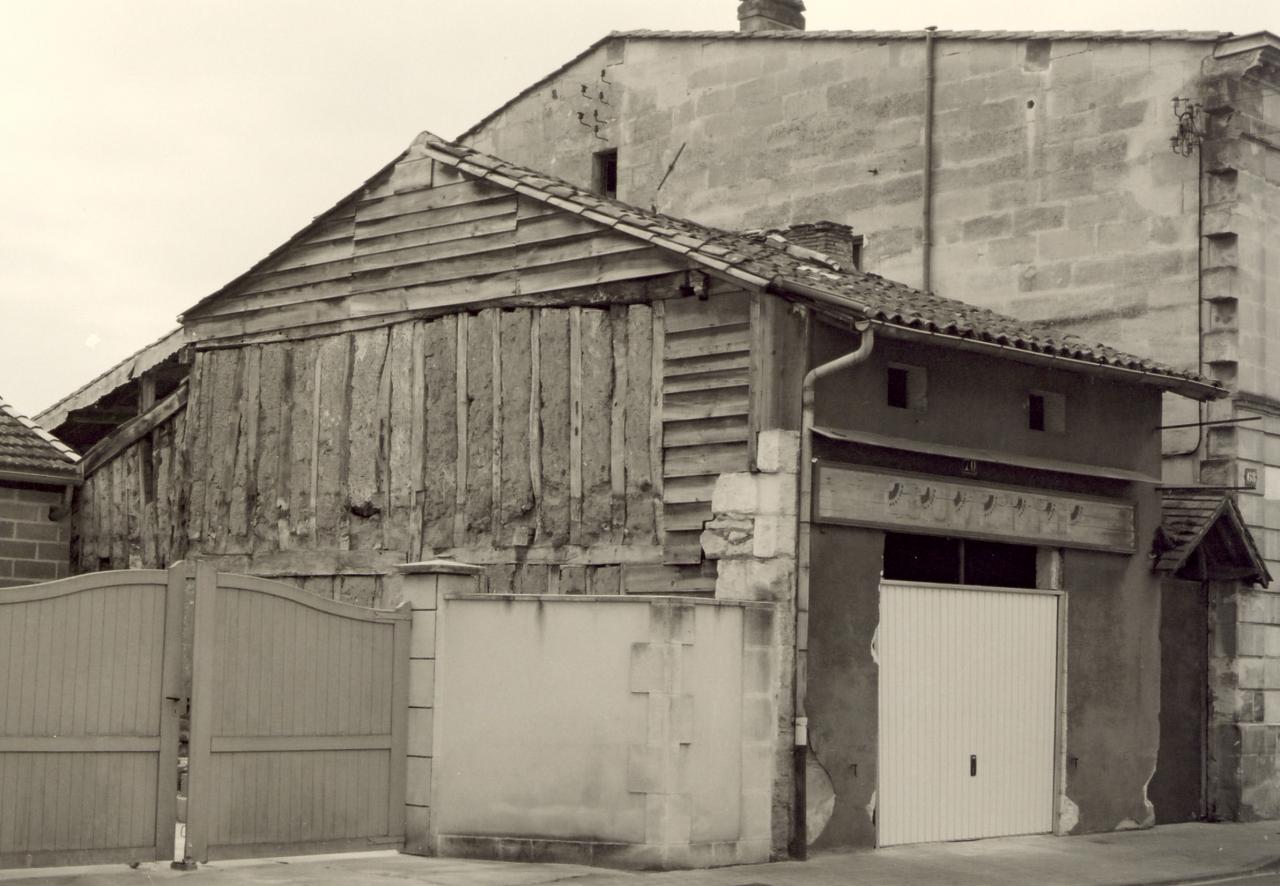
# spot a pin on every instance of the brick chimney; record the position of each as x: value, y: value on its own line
x: 832, y: 239
x: 771, y: 15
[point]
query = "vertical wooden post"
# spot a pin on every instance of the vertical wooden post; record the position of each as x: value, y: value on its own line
x: 203, y: 674
x: 170, y: 704
x: 423, y: 589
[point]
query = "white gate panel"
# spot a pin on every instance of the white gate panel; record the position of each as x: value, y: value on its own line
x: 968, y: 695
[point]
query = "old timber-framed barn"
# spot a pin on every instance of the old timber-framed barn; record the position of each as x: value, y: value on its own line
x: 465, y: 359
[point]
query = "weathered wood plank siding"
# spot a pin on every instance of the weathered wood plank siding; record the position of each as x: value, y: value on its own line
x: 440, y: 367
x: 422, y: 238
x: 516, y: 438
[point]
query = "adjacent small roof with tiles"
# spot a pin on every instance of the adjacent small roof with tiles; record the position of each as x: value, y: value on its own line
x: 30, y: 452
x: 877, y: 36
x: 1193, y: 517
x: 767, y: 261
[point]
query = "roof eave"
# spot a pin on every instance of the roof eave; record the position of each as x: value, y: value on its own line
x: 1185, y: 387
x: 42, y: 478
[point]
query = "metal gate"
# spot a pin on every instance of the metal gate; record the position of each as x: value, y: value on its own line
x: 968, y: 709
x: 298, y: 719
x: 90, y: 675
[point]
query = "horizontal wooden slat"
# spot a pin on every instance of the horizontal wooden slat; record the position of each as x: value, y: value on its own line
x: 425, y: 198
x: 705, y: 404
x: 79, y: 744
x: 240, y: 744
x: 416, y: 224
x: 340, y: 307
x: 731, y: 429
x: 704, y: 342
x: 678, y: 490
x: 684, y: 517
x: 668, y: 579
x: 719, y: 310
x: 712, y: 363
x: 683, y: 547
x: 736, y: 377
x: 694, y: 461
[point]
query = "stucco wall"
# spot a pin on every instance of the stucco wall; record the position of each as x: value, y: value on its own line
x: 635, y: 732
x: 842, y: 701
x: 1054, y: 170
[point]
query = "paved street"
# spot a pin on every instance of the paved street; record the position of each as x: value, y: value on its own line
x: 1246, y: 854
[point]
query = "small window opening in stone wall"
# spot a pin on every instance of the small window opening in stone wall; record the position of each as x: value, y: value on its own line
x: 906, y: 387
x: 1046, y: 411
x: 604, y: 173
x: 941, y: 559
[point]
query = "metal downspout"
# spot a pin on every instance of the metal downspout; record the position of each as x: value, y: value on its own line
x: 930, y: 76
x: 799, y: 848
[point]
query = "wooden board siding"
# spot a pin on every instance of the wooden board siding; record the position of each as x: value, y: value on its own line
x: 424, y: 238
x: 705, y: 405
x: 528, y: 440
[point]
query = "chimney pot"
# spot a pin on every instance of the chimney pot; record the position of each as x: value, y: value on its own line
x: 770, y: 15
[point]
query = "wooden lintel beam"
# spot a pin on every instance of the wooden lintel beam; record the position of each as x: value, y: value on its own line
x: 133, y: 431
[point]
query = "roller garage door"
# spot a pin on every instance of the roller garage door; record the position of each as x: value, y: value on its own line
x: 968, y: 700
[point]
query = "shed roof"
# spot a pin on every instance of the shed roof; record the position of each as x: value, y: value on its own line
x: 767, y: 261
x: 29, y: 452
x: 1192, y: 518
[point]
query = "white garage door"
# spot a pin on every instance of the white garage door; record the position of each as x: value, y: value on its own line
x: 968, y: 695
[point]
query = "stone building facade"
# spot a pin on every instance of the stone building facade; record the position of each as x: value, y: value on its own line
x: 1048, y: 175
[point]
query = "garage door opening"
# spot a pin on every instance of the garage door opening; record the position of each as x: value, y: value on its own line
x: 941, y: 559
x: 968, y: 700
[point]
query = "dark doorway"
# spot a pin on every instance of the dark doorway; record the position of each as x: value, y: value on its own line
x: 938, y: 559
x: 1177, y: 788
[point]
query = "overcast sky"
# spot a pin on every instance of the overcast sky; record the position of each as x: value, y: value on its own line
x: 152, y: 150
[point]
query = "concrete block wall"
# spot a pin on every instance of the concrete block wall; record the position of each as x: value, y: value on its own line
x: 753, y: 537
x: 33, y: 547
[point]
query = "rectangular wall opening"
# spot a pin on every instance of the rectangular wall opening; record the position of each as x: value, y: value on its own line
x: 939, y: 559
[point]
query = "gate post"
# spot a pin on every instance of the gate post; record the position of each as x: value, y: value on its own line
x: 422, y: 588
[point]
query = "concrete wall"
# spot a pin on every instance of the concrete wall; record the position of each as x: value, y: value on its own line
x: 1057, y: 197
x: 631, y: 732
x: 981, y: 402
x: 33, y: 547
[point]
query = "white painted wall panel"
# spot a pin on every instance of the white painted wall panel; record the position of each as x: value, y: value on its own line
x: 965, y: 672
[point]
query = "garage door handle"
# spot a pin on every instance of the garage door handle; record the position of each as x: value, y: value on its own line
x: 973, y: 764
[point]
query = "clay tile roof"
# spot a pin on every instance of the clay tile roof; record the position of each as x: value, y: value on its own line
x: 27, y: 448
x: 755, y: 260
x: 1190, y: 516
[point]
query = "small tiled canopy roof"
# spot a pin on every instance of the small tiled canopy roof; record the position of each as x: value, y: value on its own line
x: 29, y: 451
x: 769, y: 261
x: 1209, y: 522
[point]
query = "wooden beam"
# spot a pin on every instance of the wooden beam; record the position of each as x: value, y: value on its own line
x: 128, y: 434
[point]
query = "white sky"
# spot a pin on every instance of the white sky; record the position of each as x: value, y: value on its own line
x: 152, y: 150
